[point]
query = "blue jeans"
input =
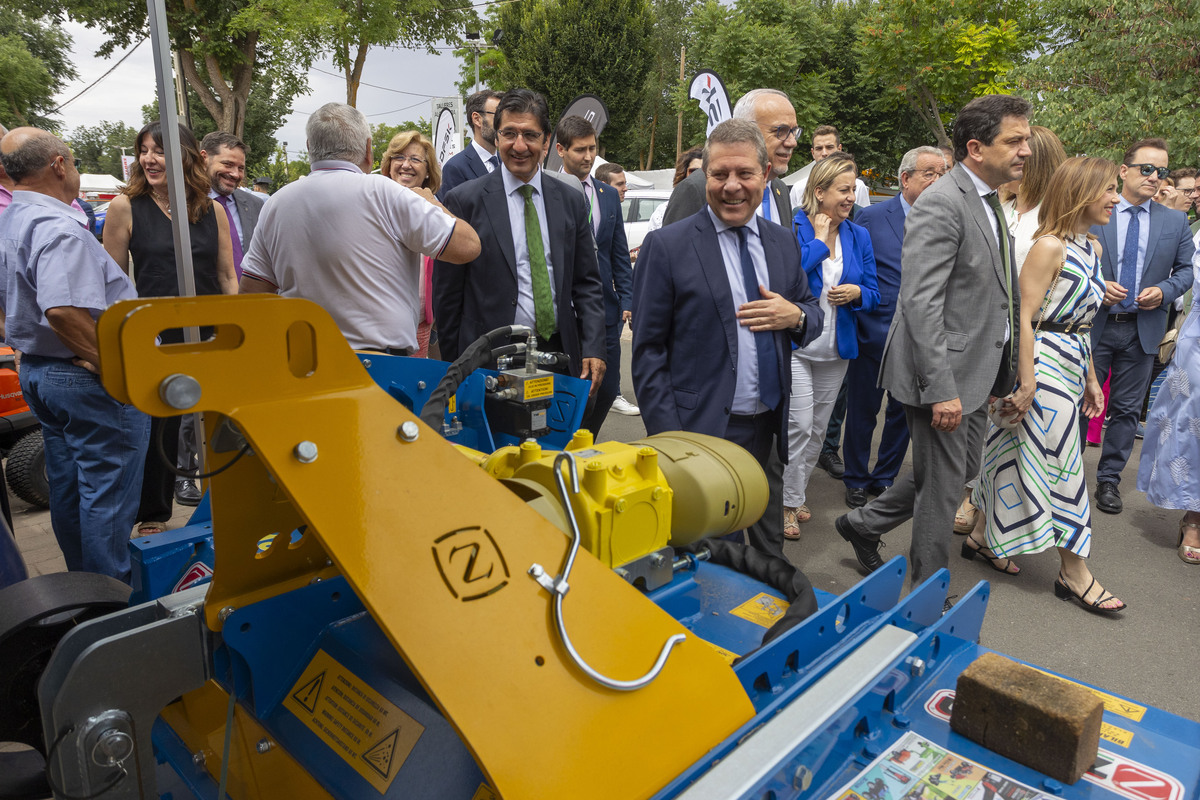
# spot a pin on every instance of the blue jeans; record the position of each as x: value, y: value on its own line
x: 95, y: 451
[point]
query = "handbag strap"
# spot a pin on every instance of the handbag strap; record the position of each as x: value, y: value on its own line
x: 1062, y: 262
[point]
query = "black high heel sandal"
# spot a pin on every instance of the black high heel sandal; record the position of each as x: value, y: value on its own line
x: 1064, y: 592
x: 969, y: 552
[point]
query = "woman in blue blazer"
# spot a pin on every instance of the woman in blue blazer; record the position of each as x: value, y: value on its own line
x: 836, y: 254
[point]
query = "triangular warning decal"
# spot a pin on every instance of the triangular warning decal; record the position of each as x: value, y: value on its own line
x: 307, y: 694
x: 379, y: 757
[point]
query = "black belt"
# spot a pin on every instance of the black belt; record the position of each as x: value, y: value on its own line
x: 1065, y: 327
x: 1126, y: 316
x: 399, y: 351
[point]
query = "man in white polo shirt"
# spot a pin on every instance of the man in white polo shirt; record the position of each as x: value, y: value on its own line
x: 350, y: 241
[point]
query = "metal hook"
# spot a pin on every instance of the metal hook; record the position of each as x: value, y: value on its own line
x: 559, y: 588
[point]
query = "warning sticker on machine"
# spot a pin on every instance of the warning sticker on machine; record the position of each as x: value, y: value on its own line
x: 1116, y: 705
x: 368, y: 731
x: 762, y: 609
x: 916, y: 769
x: 484, y: 792
x: 943, y: 701
x: 537, y: 388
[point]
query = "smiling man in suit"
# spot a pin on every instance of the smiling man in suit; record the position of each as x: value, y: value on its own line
x: 1146, y: 264
x: 479, y: 157
x: 717, y: 300
x: 919, y: 168
x: 953, y: 340
x: 538, y: 261
x: 225, y: 162
x: 576, y: 144
x: 772, y: 111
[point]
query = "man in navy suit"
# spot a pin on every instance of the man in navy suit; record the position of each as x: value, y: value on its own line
x: 1146, y: 264
x: 718, y: 297
x: 537, y: 266
x: 479, y: 157
x: 884, y: 221
x: 576, y: 145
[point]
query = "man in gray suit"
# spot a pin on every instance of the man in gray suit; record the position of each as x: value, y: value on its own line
x: 953, y: 340
x: 775, y: 116
x: 1147, y: 263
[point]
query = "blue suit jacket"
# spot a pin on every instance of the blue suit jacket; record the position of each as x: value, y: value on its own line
x: 612, y: 255
x: 685, y: 346
x: 858, y: 267
x: 884, y: 222
x: 1168, y: 266
x: 462, y: 167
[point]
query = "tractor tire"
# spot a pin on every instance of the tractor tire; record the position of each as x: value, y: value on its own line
x: 26, y: 470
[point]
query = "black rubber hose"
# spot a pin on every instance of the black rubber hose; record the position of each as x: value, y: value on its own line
x: 478, y: 354
x: 780, y: 575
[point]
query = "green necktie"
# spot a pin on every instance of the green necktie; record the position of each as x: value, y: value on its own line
x: 1006, y: 259
x: 543, y: 301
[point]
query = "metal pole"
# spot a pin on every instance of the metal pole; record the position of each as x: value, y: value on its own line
x: 181, y: 101
x: 168, y: 116
x: 679, y: 128
x: 476, y: 48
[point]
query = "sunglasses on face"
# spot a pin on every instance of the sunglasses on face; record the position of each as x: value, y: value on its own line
x: 1149, y: 169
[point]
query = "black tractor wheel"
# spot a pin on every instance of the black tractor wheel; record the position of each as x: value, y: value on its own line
x: 26, y: 470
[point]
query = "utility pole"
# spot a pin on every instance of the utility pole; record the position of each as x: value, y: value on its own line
x: 679, y: 128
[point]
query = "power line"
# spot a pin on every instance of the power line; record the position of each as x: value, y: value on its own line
x: 393, y: 111
x: 102, y: 77
x: 374, y: 86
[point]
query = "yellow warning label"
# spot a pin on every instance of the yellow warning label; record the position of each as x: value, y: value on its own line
x: 452, y: 406
x: 762, y: 609
x: 368, y: 731
x: 1116, y: 705
x: 1111, y: 733
x: 484, y: 792
x: 728, y: 655
x: 539, y: 387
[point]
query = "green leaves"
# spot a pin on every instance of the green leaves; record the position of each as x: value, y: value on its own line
x: 34, y: 66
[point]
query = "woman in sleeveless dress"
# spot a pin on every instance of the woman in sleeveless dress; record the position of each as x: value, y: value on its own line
x: 1032, y: 483
x: 1169, y: 472
x: 139, y: 225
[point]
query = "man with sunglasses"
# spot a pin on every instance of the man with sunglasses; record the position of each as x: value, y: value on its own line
x: 538, y: 264
x: 1146, y: 263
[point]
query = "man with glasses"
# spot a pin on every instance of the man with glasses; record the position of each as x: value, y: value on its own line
x: 772, y: 111
x: 919, y: 168
x: 1146, y: 263
x: 55, y: 281
x: 478, y: 158
x: 538, y: 261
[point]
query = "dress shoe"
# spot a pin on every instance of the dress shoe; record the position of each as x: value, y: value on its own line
x: 865, y: 550
x: 878, y: 489
x: 187, y: 493
x: 856, y: 497
x: 623, y: 406
x: 1108, y: 499
x: 831, y: 463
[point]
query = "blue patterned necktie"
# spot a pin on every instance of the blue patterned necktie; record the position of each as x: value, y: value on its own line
x: 1129, y: 253
x: 769, y: 389
x: 494, y: 161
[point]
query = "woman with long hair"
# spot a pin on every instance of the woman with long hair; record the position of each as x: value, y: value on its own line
x: 411, y: 161
x: 139, y: 225
x: 687, y: 163
x: 1032, y: 485
x: 839, y: 261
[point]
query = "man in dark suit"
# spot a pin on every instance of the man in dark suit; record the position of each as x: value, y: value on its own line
x: 1146, y: 262
x: 953, y: 341
x: 775, y: 116
x: 538, y: 261
x: 718, y: 298
x: 479, y: 157
x: 575, y: 141
x: 884, y: 221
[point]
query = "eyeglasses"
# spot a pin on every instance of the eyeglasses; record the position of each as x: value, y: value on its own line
x: 932, y: 174
x: 782, y: 132
x: 1149, y: 169
x: 530, y: 137
x: 416, y: 161
x: 1191, y: 191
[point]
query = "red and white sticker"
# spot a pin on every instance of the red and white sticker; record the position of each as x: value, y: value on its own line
x: 1131, y: 779
x: 196, y: 574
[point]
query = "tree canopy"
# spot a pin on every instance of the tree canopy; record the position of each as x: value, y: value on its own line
x: 34, y: 67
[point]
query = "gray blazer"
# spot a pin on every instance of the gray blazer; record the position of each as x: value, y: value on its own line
x: 947, y: 335
x: 688, y: 197
x: 248, y: 207
x: 1168, y: 266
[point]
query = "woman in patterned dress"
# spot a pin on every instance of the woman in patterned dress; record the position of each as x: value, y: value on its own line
x: 1032, y: 483
x: 1171, y: 450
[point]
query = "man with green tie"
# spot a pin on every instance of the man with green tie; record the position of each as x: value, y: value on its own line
x: 538, y: 265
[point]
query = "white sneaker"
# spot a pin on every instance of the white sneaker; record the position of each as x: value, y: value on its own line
x: 623, y: 406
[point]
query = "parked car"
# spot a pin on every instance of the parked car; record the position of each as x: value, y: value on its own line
x: 637, y: 208
x: 101, y: 211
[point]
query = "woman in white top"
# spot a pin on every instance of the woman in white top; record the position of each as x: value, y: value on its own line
x: 837, y: 256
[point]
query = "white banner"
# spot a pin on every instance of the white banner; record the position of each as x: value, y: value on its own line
x: 714, y: 100
x: 448, y: 127
x: 126, y: 165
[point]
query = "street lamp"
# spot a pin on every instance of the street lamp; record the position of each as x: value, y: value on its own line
x: 475, y: 39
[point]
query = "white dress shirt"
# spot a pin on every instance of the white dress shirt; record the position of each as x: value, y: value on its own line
x: 745, y: 394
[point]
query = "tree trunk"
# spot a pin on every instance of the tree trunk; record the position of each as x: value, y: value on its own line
x: 926, y: 107
x: 354, y: 73
x: 650, y: 148
x: 226, y: 99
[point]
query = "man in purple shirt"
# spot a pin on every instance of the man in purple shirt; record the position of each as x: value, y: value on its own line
x: 55, y: 281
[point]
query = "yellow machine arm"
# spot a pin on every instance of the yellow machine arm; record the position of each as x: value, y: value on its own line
x: 436, y: 548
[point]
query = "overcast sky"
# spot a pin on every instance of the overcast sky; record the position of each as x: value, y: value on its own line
x: 120, y: 96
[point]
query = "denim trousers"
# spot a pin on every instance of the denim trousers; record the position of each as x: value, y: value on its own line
x: 95, y: 450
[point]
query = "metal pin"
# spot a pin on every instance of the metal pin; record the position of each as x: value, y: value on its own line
x: 409, y: 431
x: 305, y: 452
